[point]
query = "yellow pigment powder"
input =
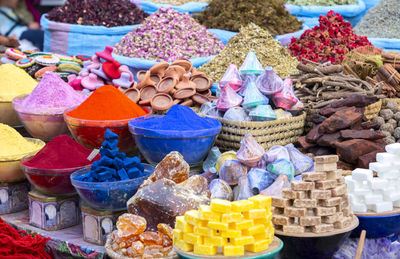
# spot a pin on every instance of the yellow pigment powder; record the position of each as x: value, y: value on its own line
x: 13, y: 82
x: 13, y: 145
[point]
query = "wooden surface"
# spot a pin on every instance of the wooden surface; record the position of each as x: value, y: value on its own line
x: 360, y: 246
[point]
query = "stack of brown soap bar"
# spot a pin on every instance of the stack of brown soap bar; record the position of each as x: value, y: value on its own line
x: 317, y: 204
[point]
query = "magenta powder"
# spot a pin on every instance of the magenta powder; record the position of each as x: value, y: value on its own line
x: 51, y: 96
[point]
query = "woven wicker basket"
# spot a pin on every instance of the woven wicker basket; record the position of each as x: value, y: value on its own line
x: 372, y: 111
x: 267, y: 133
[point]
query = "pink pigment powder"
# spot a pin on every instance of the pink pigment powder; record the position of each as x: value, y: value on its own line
x: 51, y: 96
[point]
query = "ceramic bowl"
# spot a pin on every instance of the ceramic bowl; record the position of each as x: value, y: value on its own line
x: 8, y: 115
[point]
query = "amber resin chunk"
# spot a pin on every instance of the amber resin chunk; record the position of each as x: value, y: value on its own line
x: 172, y: 167
x: 130, y: 225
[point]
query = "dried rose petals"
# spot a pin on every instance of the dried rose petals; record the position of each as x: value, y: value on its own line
x: 330, y: 41
x: 169, y: 35
x: 109, y: 13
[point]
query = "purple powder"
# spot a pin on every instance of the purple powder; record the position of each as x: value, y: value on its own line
x: 51, y: 96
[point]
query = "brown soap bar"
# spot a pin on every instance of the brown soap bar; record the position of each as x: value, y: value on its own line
x: 280, y: 202
x: 310, y: 221
x: 343, y: 222
x: 345, y: 201
x: 333, y: 175
x: 277, y: 211
x: 295, y: 212
x: 330, y: 202
x: 293, y: 229
x: 339, y: 190
x: 325, y: 167
x: 346, y: 211
x: 340, y: 180
x: 322, y: 228
x: 324, y: 185
x: 305, y: 203
x: 324, y: 211
x: 320, y: 194
x: 326, y: 159
x: 288, y: 194
x: 302, y: 186
x: 282, y: 220
x: 314, y: 176
x: 339, y: 207
x: 332, y: 218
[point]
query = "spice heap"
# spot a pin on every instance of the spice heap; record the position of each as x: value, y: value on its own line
x: 231, y: 15
x: 316, y: 204
x: 381, y: 21
x: 164, y: 85
x: 330, y: 41
x: 321, y: 2
x: 169, y: 192
x: 251, y: 38
x: 109, y: 13
x: 169, y: 35
x: 388, y: 120
x: 51, y: 96
x: 377, y: 194
x: 131, y: 239
x: 13, y: 145
x: 233, y: 226
x: 318, y: 85
x: 13, y: 82
x: 343, y: 129
x: 107, y: 103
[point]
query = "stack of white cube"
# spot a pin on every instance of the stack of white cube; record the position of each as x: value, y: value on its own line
x: 377, y: 194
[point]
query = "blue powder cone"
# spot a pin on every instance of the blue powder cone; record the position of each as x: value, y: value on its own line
x: 252, y: 96
x: 251, y: 65
x: 262, y: 113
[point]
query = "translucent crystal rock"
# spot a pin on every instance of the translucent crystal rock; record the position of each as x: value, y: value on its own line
x: 220, y: 190
x: 236, y: 114
x: 198, y: 184
x: 275, y: 189
x: 262, y: 164
x: 150, y: 238
x: 211, y: 159
x: 232, y: 77
x: 161, y: 201
x: 260, y: 179
x: 136, y: 249
x: 210, y: 108
x: 251, y: 65
x: 252, y: 96
x: 301, y: 162
x: 262, y: 113
x: 282, y: 166
x: 165, y: 229
x: 244, y: 189
x: 250, y: 151
x: 228, y: 155
x: 129, y: 225
x: 269, y: 82
x: 211, y: 174
x: 154, y: 251
x: 277, y: 152
x: 231, y: 171
x: 228, y: 98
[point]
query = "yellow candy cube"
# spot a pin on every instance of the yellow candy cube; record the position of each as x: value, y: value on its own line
x: 219, y: 205
x: 203, y: 231
x: 205, y: 213
x: 261, y: 202
x: 254, y: 230
x: 192, y: 217
x: 181, y: 224
x: 257, y: 246
x: 178, y: 235
x: 255, y: 214
x: 216, y: 241
x: 218, y: 225
x: 202, y: 223
x: 261, y: 236
x: 205, y: 249
x: 244, y: 224
x: 192, y: 238
x: 241, y: 241
x: 184, y: 246
x: 264, y: 221
x: 242, y: 205
x: 231, y: 217
x: 231, y: 233
x: 233, y: 250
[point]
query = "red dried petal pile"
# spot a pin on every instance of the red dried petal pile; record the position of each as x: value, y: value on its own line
x: 330, y: 41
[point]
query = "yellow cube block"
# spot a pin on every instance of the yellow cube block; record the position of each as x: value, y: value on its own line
x: 205, y: 249
x: 244, y: 224
x: 231, y: 250
x: 241, y: 241
x: 264, y: 221
x: 203, y: 231
x: 231, y: 217
x: 255, y: 214
x: 205, y: 213
x: 242, y: 205
x: 192, y: 238
x: 257, y: 246
x: 181, y: 224
x: 261, y: 202
x: 215, y: 241
x: 192, y: 217
x: 254, y: 230
x: 178, y: 235
x: 218, y: 225
x: 219, y: 205
x: 231, y: 233
x: 202, y: 223
x: 184, y: 246
x: 261, y: 236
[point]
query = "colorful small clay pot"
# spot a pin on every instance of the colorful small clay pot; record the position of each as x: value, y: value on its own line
x: 146, y: 81
x: 207, y: 93
x: 202, y: 83
x: 184, y: 93
x: 106, y: 54
x: 140, y: 75
x: 133, y: 94
x: 147, y: 92
x: 188, y: 102
x: 186, y: 64
x: 155, y: 78
x: 166, y: 84
x: 159, y: 69
x: 200, y: 99
x: 161, y: 102
x: 111, y: 69
x: 175, y: 71
x: 123, y: 81
x: 185, y: 83
x: 91, y: 82
x: 125, y: 68
x: 196, y: 74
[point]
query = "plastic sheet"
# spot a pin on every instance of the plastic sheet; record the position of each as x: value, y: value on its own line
x: 211, y: 159
x: 251, y: 65
x: 250, y: 151
x: 282, y: 166
x: 231, y: 171
x: 285, y: 98
x: 236, y: 113
x: 210, y: 109
x: 232, y: 77
x: 262, y: 113
x: 244, y: 189
x: 220, y: 190
x: 228, y: 98
x: 277, y: 152
x: 269, y: 82
x: 260, y: 179
x: 252, y: 96
x: 301, y: 162
x: 276, y: 188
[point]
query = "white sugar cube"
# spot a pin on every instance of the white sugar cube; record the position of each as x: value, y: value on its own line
x: 393, y: 148
x: 360, y: 174
x: 392, y: 174
x: 392, y: 196
x: 379, y: 167
x: 373, y: 198
x: 381, y: 206
x: 361, y: 191
x: 396, y: 203
x: 396, y: 164
x: 389, y: 190
x: 353, y: 198
x: 352, y: 184
x: 386, y: 158
x: 358, y: 207
x: 377, y: 184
